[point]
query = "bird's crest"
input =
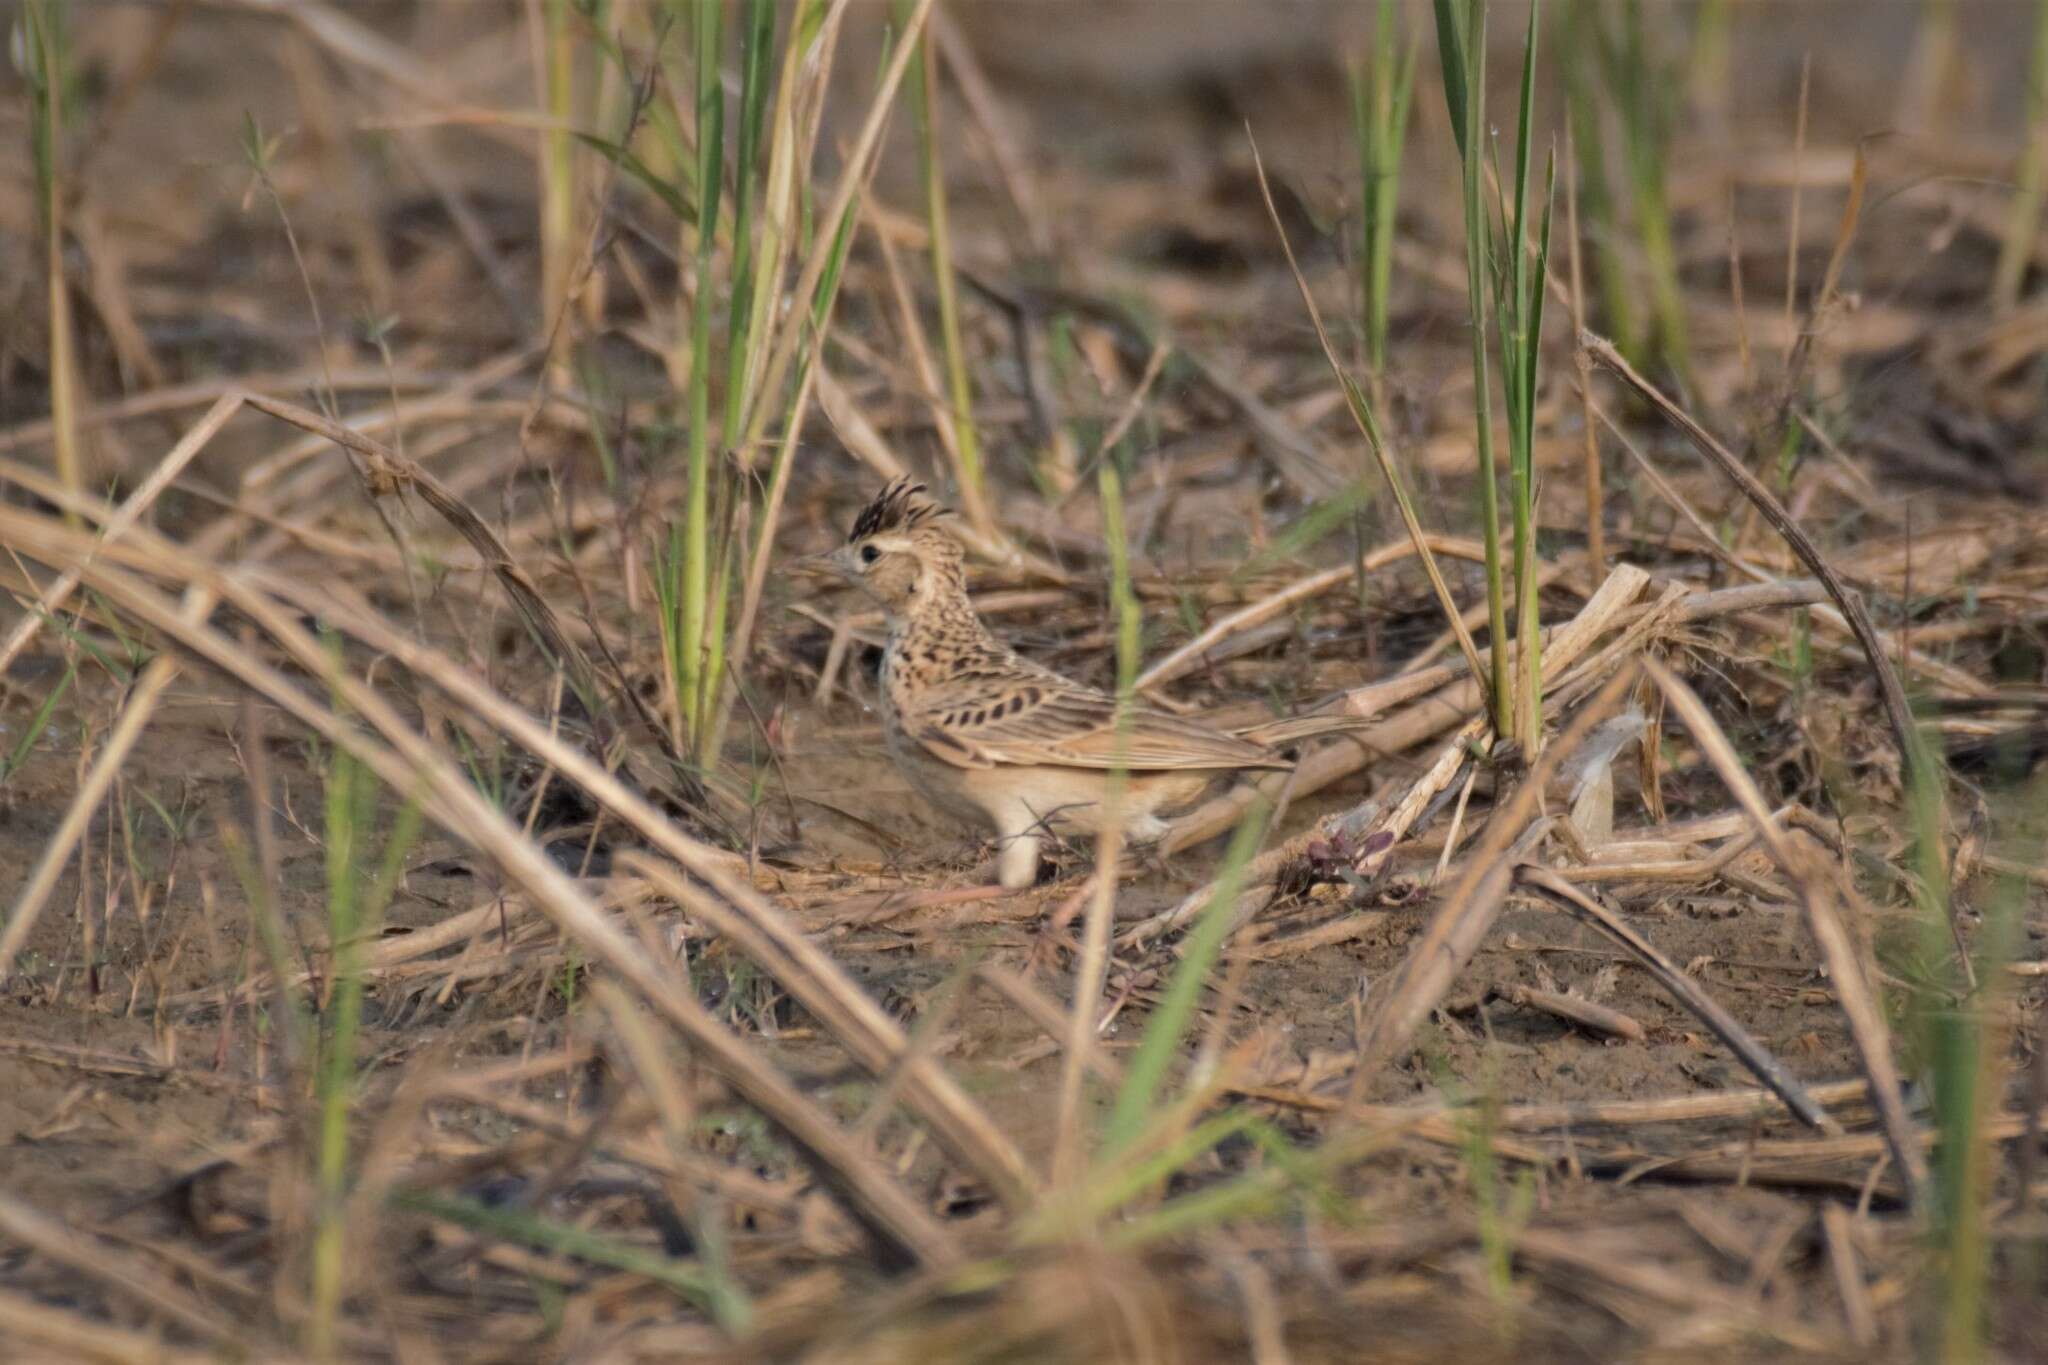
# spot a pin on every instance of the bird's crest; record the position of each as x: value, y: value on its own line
x: 902, y: 505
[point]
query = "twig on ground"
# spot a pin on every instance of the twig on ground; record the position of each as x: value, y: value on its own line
x: 1573, y: 1010
x: 1821, y: 898
x: 1672, y: 977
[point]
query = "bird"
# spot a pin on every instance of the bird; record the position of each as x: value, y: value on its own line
x: 981, y: 731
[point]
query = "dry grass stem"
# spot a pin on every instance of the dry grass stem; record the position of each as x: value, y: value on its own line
x: 1673, y: 978
x: 1823, y: 906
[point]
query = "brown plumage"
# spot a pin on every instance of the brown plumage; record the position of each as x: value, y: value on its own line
x: 982, y: 731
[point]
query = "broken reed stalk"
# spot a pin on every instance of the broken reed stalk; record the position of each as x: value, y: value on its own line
x: 1897, y: 711
x: 1823, y: 901
x: 1623, y: 586
x: 1578, y: 1011
x: 1470, y: 908
x: 1454, y: 701
x: 1712, y: 1107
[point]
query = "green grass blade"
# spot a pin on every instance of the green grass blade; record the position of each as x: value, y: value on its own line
x: 628, y: 161
x: 920, y: 91
x: 1464, y: 38
x: 696, y: 578
x: 757, y: 48
x: 717, y: 1295
x: 1537, y: 293
x: 1579, y: 49
x: 1381, y: 100
x: 1450, y: 46
x: 1169, y: 1023
x: 1288, y: 1174
x: 20, y: 752
x: 1123, y: 601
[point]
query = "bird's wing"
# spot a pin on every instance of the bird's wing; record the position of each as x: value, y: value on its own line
x: 1042, y: 718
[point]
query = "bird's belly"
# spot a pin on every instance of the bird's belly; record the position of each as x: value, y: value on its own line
x: 1068, y: 800
x: 940, y: 783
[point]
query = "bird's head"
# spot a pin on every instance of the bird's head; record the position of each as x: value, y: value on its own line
x: 899, y: 551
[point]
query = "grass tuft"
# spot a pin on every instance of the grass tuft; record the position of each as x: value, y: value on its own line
x: 1615, y: 80
x: 1382, y: 95
x: 1505, y: 278
x: 46, y: 68
x: 355, y: 906
x: 1168, y: 1024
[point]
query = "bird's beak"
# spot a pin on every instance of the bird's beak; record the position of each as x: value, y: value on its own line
x: 814, y: 566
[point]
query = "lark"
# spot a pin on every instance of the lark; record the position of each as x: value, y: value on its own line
x: 981, y: 731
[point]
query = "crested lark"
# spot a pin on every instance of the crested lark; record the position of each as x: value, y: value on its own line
x: 980, y: 730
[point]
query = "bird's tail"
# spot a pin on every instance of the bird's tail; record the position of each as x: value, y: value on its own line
x: 1277, y: 734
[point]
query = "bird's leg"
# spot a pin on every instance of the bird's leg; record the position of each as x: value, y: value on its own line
x: 1017, y: 854
x: 1146, y: 829
x: 1145, y: 835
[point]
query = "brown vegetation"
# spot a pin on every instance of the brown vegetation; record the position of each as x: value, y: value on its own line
x: 456, y: 902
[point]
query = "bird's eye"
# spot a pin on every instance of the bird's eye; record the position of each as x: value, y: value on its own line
x: 869, y: 554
